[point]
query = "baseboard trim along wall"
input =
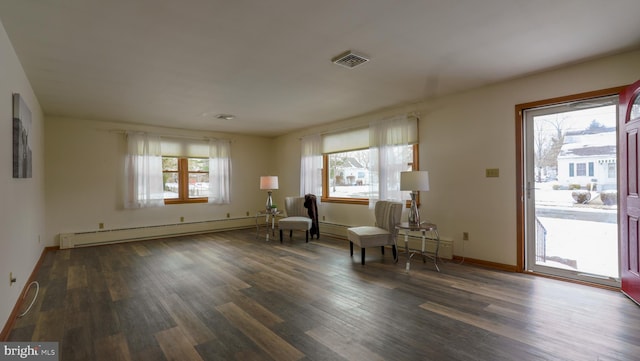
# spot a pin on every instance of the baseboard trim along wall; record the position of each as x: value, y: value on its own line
x: 101, y: 237
x: 486, y: 264
x: 4, y: 334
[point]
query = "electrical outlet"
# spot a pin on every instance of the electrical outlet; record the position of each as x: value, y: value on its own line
x: 228, y: 215
x: 101, y: 225
x: 247, y: 213
x: 181, y: 219
x: 323, y: 218
x: 465, y: 236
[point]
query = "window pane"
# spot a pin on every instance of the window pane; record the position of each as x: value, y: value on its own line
x: 198, y: 165
x: 349, y: 174
x: 581, y: 169
x: 635, y: 108
x: 198, y: 185
x: 170, y: 185
x: 170, y: 164
x: 611, y: 170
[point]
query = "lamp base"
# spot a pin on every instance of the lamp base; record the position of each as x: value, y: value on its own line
x: 414, y: 215
x: 269, y: 202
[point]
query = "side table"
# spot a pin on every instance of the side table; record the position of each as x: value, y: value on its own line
x: 423, y: 227
x: 269, y: 216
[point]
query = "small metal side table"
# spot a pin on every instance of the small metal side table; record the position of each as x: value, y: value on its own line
x: 269, y: 216
x: 423, y: 227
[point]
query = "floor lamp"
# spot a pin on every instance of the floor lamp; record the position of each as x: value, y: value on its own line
x: 269, y: 183
x: 414, y: 181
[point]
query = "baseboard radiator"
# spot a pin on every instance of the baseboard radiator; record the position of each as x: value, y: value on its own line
x: 101, y: 237
x: 415, y: 240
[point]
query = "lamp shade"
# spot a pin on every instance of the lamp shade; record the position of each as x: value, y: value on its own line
x: 414, y: 181
x: 269, y: 182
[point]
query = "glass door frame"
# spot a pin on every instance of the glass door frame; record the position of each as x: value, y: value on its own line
x: 525, y: 184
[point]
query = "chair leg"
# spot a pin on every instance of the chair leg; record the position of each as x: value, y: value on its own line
x: 362, y: 252
x: 351, y: 248
x: 280, y: 236
x: 382, y: 249
x: 395, y: 253
x: 291, y: 233
x: 307, y: 237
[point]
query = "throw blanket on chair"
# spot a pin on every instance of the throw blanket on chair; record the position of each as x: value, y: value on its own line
x: 312, y: 210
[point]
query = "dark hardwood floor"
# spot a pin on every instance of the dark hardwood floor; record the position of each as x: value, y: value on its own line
x: 231, y: 296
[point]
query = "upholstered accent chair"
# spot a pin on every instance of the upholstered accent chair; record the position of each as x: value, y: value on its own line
x: 383, y: 233
x: 297, y: 217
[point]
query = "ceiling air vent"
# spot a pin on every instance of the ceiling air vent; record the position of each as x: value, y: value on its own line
x: 349, y: 60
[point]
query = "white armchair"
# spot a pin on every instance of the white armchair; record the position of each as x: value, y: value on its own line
x: 297, y: 217
x: 387, y: 215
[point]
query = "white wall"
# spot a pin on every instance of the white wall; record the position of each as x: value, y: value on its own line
x: 460, y: 136
x: 84, y: 167
x: 22, y: 212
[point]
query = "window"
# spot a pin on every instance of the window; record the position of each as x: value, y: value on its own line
x: 581, y: 169
x: 611, y: 170
x: 348, y: 176
x: 363, y: 165
x: 163, y: 170
x: 185, y: 179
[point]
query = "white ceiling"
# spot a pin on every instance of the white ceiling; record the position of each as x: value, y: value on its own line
x: 179, y: 63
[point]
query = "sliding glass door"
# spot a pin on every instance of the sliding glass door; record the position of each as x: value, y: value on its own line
x: 570, y: 190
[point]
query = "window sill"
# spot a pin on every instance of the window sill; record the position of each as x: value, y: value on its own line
x: 361, y: 201
x: 183, y: 201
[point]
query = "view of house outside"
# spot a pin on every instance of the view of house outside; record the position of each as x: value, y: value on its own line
x: 349, y: 174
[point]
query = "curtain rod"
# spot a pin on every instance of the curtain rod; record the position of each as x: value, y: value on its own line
x: 166, y: 135
x: 409, y: 115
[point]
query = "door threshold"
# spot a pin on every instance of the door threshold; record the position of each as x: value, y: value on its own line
x: 572, y: 280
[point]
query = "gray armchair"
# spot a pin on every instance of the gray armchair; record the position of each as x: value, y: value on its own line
x: 387, y: 215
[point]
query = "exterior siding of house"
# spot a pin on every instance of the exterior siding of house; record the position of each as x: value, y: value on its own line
x: 589, y: 159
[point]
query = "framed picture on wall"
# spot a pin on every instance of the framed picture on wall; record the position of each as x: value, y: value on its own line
x: 21, y: 138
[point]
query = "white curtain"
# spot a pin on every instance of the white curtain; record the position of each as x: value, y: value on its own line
x: 311, y: 166
x: 389, y: 155
x: 219, y: 171
x: 143, y: 171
